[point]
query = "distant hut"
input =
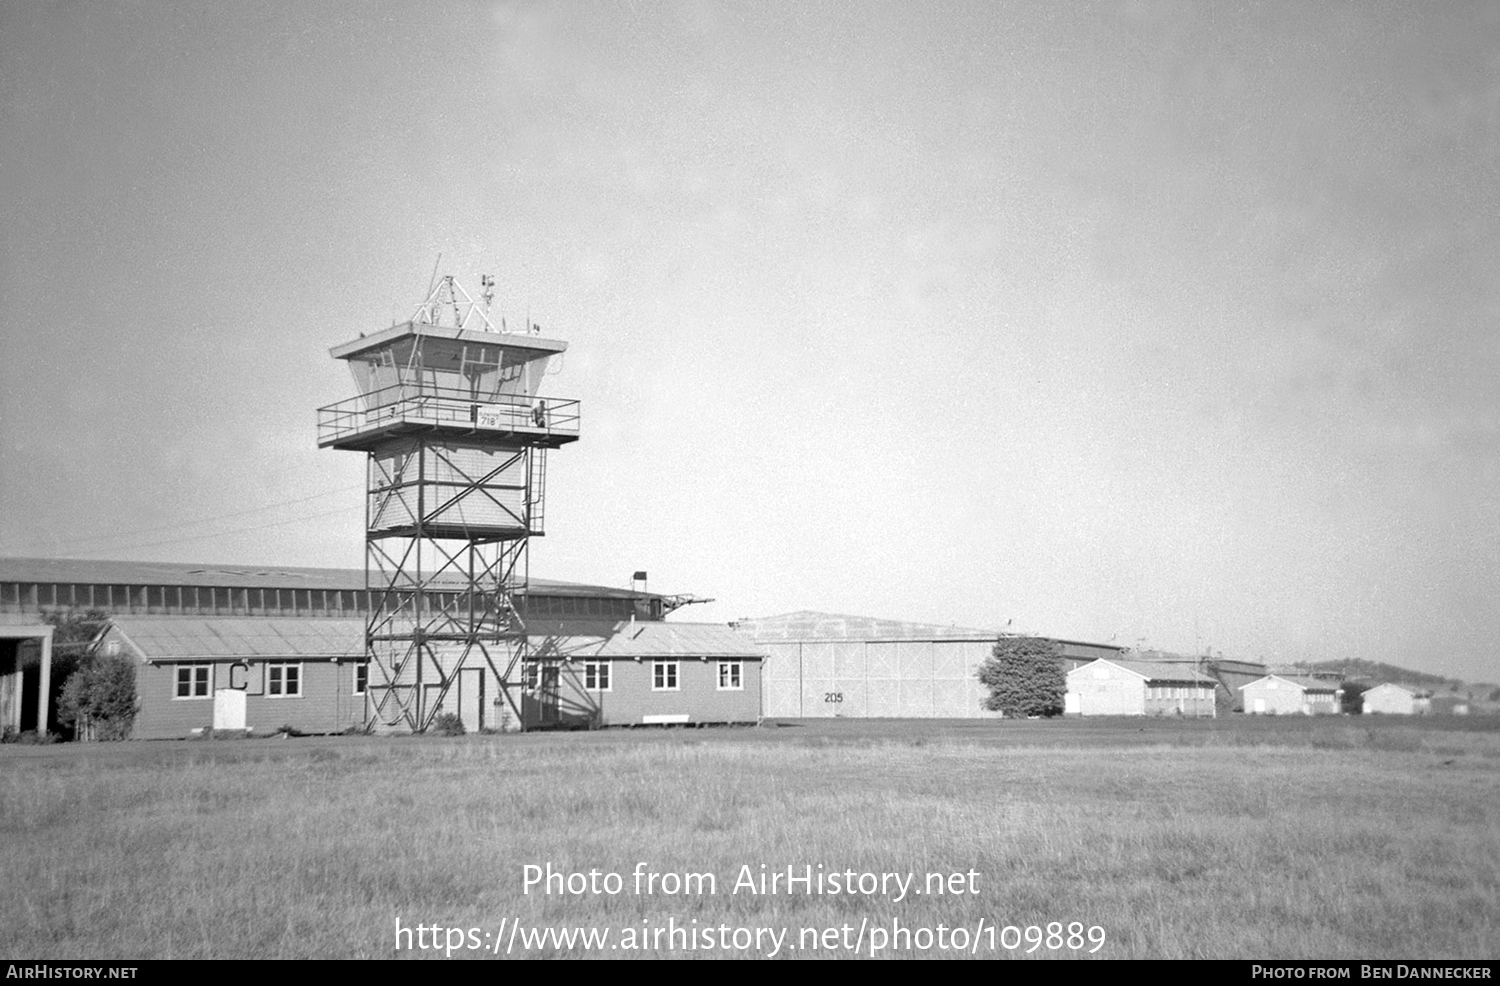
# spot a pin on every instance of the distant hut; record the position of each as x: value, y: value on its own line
x: 1450, y: 705
x: 1396, y: 700
x: 1278, y: 694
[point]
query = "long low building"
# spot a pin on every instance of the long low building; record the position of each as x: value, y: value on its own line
x: 33, y: 586
x: 261, y: 647
x: 1114, y: 687
x: 828, y: 665
x: 1278, y: 694
x: 264, y: 674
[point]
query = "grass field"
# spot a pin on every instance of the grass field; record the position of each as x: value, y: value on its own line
x: 1231, y: 838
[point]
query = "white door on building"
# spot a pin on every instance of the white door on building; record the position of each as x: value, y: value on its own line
x: 229, y: 709
x: 1260, y: 705
x: 471, y: 698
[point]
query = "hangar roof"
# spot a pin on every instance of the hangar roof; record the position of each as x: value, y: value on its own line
x: 179, y: 638
x: 811, y: 625
x: 238, y: 576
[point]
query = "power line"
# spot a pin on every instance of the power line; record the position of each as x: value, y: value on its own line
x: 238, y: 530
x: 176, y: 525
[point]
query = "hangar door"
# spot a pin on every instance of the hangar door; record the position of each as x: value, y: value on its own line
x: 909, y: 679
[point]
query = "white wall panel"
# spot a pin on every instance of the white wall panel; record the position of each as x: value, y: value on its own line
x: 849, y: 660
x: 915, y: 698
x: 951, y: 699
x: 914, y: 659
x: 815, y: 704
x: 880, y: 660
x: 881, y: 699
x: 817, y: 660
x: 781, y: 699
x: 782, y: 663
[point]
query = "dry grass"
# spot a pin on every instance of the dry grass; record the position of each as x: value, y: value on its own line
x: 1332, y: 839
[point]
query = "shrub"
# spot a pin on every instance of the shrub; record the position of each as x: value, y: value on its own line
x: 72, y: 634
x: 1025, y: 678
x: 28, y: 738
x: 1352, y: 702
x: 447, y: 724
x: 98, y: 700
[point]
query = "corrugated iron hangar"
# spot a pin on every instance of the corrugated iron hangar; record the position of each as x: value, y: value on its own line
x: 825, y: 665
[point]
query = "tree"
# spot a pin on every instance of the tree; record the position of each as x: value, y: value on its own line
x: 1025, y: 677
x: 72, y: 633
x: 98, y: 700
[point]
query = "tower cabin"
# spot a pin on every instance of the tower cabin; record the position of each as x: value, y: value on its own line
x: 469, y: 396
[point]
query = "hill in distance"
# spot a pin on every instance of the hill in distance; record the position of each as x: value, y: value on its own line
x: 1375, y: 673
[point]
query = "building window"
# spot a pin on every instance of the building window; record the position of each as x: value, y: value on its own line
x: 194, y: 680
x: 361, y: 677
x: 596, y: 676
x: 531, y: 676
x: 664, y: 676
x: 731, y: 676
x: 284, y: 680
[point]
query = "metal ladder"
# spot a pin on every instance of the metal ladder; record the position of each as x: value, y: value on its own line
x: 537, y: 489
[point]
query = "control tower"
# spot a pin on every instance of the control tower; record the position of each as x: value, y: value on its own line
x: 456, y: 434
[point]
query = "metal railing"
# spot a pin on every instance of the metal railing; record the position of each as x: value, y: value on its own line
x: 449, y: 408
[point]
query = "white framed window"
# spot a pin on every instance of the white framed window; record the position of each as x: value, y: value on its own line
x: 531, y: 676
x: 361, y: 677
x: 284, y: 679
x: 731, y: 676
x: 596, y: 677
x: 664, y: 676
x: 194, y: 681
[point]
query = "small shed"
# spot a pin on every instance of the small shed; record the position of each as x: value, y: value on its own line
x: 1396, y: 700
x: 1278, y: 694
x: 1110, y: 687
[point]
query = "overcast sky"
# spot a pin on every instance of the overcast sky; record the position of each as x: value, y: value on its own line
x: 1161, y: 323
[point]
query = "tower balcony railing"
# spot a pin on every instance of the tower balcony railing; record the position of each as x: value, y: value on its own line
x: 418, y: 406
